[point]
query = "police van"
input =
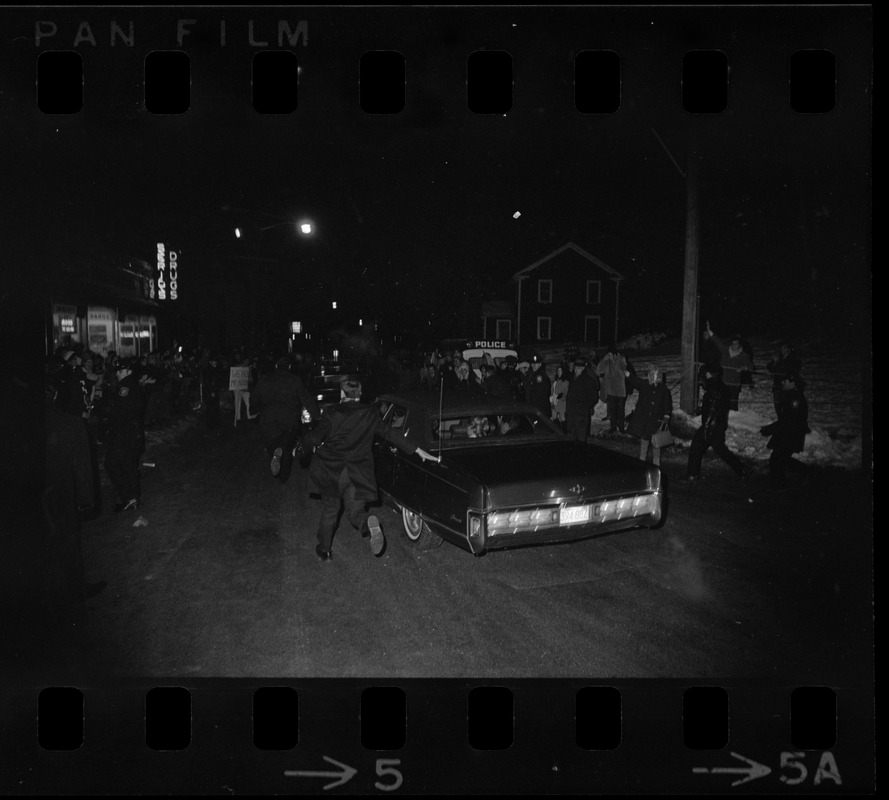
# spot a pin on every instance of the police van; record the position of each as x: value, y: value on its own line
x: 475, y: 350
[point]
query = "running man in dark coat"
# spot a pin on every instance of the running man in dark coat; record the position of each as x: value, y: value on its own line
x: 715, y: 406
x: 279, y: 397
x: 126, y: 437
x: 788, y: 432
x: 342, y: 469
x: 583, y: 394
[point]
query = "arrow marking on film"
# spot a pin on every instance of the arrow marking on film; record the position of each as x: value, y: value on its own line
x: 753, y: 771
x: 345, y: 773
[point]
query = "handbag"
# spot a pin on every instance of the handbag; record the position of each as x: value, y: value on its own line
x: 662, y: 437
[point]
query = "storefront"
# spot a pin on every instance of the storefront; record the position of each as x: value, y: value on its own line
x: 137, y: 336
x: 102, y: 329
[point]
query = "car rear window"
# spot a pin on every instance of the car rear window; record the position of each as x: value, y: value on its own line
x: 495, y: 427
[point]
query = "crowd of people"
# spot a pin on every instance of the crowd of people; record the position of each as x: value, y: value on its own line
x: 571, y: 395
x: 101, y: 405
x: 569, y: 398
x: 105, y: 403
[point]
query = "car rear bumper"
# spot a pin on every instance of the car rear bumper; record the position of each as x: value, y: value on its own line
x: 568, y: 533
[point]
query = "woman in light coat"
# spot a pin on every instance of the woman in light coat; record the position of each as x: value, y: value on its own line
x: 558, y: 395
x: 612, y: 371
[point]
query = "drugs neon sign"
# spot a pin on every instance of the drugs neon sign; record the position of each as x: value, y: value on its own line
x: 167, y: 273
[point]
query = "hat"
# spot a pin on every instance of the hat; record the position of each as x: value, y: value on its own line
x: 535, y: 359
x: 581, y: 362
x: 512, y: 360
x: 524, y: 365
x: 284, y: 361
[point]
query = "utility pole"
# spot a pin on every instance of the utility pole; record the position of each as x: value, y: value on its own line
x: 688, y: 394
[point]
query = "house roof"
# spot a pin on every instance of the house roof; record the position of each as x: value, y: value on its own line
x: 569, y: 246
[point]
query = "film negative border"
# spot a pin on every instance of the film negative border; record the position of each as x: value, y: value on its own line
x: 420, y: 737
x: 414, y: 736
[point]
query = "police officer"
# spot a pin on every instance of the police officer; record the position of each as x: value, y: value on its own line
x: 342, y: 469
x: 788, y: 433
x: 539, y: 387
x: 126, y: 437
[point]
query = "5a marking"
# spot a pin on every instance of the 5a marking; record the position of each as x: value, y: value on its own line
x: 791, y: 762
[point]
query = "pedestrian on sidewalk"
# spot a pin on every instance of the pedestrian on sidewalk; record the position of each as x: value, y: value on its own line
x: 342, y: 469
x: 715, y: 406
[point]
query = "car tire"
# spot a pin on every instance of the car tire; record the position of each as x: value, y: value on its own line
x: 418, y: 533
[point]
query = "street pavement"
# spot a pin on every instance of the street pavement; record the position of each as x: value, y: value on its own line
x: 741, y: 581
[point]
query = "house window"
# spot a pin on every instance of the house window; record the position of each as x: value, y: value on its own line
x: 592, y: 329
x: 544, y: 291
x: 503, y: 329
x: 593, y: 292
x: 544, y: 329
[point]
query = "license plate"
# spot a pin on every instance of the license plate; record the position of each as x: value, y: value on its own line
x: 569, y: 516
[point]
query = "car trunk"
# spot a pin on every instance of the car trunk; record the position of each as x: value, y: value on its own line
x: 550, y: 472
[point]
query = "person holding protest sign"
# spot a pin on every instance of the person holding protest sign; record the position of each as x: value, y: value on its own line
x: 240, y: 386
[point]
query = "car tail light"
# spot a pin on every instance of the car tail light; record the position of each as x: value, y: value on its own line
x: 523, y: 519
x: 475, y: 530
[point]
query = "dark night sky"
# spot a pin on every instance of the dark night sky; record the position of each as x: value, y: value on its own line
x: 418, y: 204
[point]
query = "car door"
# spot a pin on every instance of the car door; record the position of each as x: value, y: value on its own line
x: 384, y: 457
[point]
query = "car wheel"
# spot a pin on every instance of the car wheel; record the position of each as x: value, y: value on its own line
x: 418, y: 533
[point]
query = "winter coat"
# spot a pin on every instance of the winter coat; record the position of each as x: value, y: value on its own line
x: 715, y: 405
x: 280, y: 396
x: 733, y: 363
x: 783, y: 366
x: 789, y: 431
x: 126, y: 415
x: 612, y: 370
x: 583, y: 394
x: 68, y: 467
x: 559, y: 394
x: 73, y: 394
x: 539, y: 390
x: 343, y: 439
x: 654, y: 403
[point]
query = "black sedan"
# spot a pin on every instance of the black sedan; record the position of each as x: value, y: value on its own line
x: 507, y: 476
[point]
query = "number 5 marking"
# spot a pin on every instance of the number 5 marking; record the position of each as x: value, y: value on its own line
x: 789, y: 762
x: 386, y: 766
